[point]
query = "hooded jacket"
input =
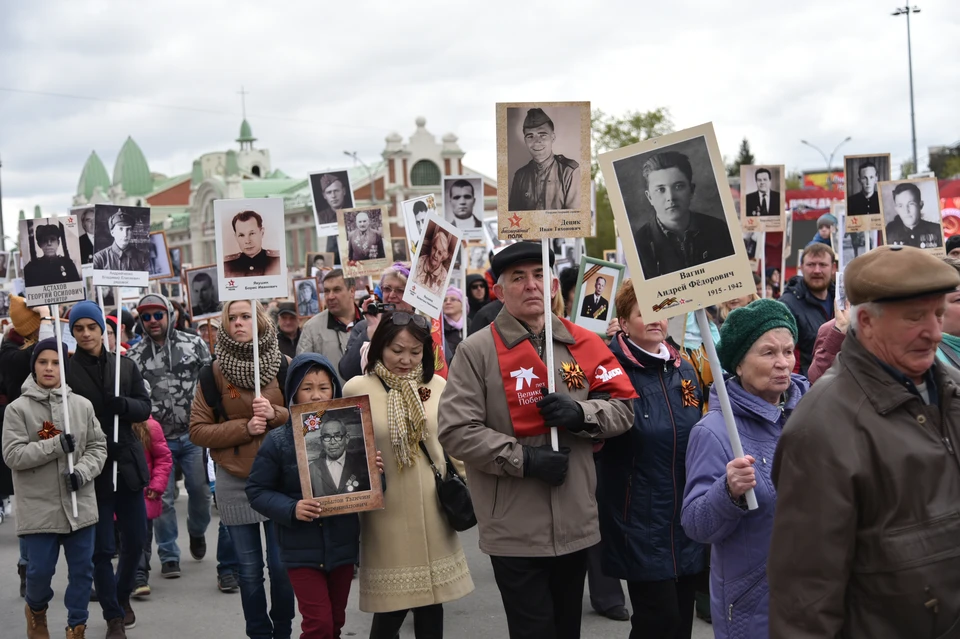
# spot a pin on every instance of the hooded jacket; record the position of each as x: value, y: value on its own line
x: 642, y: 473
x: 172, y: 370
x: 739, y: 538
x: 809, y: 314
x: 476, y: 305
x: 273, y: 489
x: 39, y: 465
x: 93, y: 378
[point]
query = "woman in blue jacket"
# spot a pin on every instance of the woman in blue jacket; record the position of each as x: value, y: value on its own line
x: 641, y: 478
x: 318, y: 553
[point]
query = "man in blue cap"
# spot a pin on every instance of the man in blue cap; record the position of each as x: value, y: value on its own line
x: 549, y: 182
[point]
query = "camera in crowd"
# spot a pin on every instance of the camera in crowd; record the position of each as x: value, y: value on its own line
x: 375, y: 308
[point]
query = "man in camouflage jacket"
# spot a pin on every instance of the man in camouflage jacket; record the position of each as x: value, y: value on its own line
x: 170, y: 361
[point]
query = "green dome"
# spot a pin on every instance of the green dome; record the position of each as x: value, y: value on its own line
x: 37, y: 213
x: 94, y: 174
x: 131, y: 171
x: 246, y: 133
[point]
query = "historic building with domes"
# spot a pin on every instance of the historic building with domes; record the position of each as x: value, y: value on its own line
x: 182, y: 205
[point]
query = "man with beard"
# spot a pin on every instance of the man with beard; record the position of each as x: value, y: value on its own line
x: 461, y: 200
x: 122, y: 255
x: 431, y: 271
x: 87, y: 221
x: 867, y: 201
x: 548, y: 182
x: 335, y: 197
x: 810, y: 298
x: 365, y: 243
x: 909, y: 228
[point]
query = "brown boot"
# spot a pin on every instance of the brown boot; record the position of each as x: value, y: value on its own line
x: 77, y: 632
x: 36, y: 623
x: 115, y: 629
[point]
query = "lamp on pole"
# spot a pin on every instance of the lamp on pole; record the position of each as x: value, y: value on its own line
x: 829, y: 160
x: 373, y: 190
x: 907, y: 10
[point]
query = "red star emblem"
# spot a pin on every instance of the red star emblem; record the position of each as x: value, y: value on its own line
x: 70, y: 220
x: 515, y: 220
x: 230, y: 283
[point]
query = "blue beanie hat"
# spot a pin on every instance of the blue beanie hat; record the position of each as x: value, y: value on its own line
x: 49, y: 344
x: 86, y: 310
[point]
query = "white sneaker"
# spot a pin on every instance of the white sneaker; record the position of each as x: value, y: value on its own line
x: 7, y: 507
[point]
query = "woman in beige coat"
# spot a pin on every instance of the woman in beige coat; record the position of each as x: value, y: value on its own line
x: 410, y: 557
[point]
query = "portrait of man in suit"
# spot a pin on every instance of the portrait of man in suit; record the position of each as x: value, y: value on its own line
x: 764, y: 201
x: 596, y: 306
x: 335, y: 470
x: 867, y: 200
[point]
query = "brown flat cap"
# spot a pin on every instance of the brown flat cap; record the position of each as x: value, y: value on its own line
x: 896, y: 273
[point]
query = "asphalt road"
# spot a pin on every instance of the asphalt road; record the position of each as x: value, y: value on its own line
x: 192, y: 607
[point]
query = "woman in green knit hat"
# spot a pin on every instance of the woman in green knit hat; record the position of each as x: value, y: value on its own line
x: 757, y: 351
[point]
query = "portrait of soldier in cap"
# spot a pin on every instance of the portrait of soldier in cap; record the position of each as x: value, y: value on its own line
x: 331, y: 191
x: 548, y: 182
x: 123, y: 254
x: 253, y: 260
x: 54, y: 264
x: 366, y: 243
x: 905, y: 223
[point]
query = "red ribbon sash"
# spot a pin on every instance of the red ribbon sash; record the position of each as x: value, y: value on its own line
x: 524, y: 375
x: 439, y: 358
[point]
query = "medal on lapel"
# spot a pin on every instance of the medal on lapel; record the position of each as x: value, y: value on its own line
x: 49, y: 431
x: 572, y: 375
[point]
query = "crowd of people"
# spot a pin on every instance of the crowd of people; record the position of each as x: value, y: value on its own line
x: 848, y: 420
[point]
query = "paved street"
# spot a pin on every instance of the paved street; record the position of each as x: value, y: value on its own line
x: 192, y: 607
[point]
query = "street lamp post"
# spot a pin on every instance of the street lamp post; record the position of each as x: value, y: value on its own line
x: 373, y: 189
x: 907, y: 10
x: 829, y: 160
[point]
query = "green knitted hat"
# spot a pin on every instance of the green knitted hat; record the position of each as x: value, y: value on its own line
x: 745, y: 325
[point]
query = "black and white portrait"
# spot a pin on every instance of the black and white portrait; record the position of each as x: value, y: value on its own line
x: 364, y: 235
x: 911, y: 214
x: 400, y: 251
x: 545, y: 158
x: 159, y: 264
x: 4, y: 265
x: 863, y: 174
x: 855, y: 244
x: 88, y: 229
x: 121, y: 242
x: 673, y: 204
x: 318, y: 263
x: 415, y: 213
x: 51, y: 256
x: 477, y: 257
x: 308, y: 299
x: 203, y: 292
x: 331, y: 192
x: 761, y: 186
x: 176, y: 261
x: 336, y: 454
x: 4, y: 303
x: 463, y: 205
x: 251, y: 246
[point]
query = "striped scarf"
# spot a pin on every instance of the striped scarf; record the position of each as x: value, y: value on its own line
x: 405, y: 417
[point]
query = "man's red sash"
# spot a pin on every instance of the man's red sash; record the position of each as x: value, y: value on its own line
x: 525, y: 374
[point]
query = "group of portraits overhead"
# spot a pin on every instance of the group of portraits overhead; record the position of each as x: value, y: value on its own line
x: 251, y: 247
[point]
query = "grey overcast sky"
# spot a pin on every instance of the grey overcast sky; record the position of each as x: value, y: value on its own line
x: 324, y: 77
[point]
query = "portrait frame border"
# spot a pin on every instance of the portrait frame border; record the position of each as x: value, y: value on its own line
x: 166, y: 248
x: 875, y: 222
x: 586, y: 260
x: 936, y: 251
x: 317, y: 289
x: 188, y: 292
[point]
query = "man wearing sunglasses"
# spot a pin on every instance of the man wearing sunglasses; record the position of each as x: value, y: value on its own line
x: 535, y: 506
x: 170, y: 361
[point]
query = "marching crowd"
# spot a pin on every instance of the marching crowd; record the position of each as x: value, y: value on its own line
x: 849, y: 422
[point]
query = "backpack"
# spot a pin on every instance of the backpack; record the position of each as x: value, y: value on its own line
x: 213, y: 397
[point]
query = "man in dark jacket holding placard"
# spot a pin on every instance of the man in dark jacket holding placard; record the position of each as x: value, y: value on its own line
x: 535, y: 506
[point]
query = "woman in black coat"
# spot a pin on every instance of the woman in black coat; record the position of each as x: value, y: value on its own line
x: 641, y: 477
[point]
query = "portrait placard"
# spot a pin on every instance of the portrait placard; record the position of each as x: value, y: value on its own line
x: 52, y: 273
x: 4, y: 267
x: 761, y: 197
x: 787, y: 233
x: 432, y: 266
x: 415, y: 212
x: 331, y: 192
x: 159, y: 265
x: 364, y: 241
x: 4, y: 305
x: 176, y: 263
x: 597, y: 285
x: 610, y: 255
x: 463, y: 204
x: 543, y: 170
x: 911, y: 215
x: 477, y: 257
x: 401, y: 251
x: 121, y: 244
x: 318, y: 263
x: 861, y: 175
x: 203, y: 296
x: 251, y: 247
x: 88, y: 228
x: 307, y: 296
x: 333, y: 438
x: 677, y: 222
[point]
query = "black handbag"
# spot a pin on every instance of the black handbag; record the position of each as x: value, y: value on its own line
x: 454, y: 495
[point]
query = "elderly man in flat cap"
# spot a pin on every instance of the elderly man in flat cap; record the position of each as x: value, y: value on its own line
x: 535, y: 506
x: 48, y: 267
x: 122, y: 255
x: 335, y: 197
x: 548, y: 182
x: 866, y: 536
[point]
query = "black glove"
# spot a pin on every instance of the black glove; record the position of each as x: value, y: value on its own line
x: 558, y: 409
x: 114, y: 448
x: 546, y: 464
x: 73, y: 481
x: 68, y: 442
x: 116, y: 405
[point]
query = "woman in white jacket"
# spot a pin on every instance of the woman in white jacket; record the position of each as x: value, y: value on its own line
x: 35, y: 447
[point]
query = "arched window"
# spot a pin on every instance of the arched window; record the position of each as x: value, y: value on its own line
x: 255, y: 170
x: 425, y: 173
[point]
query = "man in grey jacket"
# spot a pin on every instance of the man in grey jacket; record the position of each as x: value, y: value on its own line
x: 170, y: 360
x: 327, y: 333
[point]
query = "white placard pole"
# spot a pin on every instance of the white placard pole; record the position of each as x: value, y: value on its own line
x: 783, y: 253
x: 721, y: 387
x: 116, y: 379
x: 256, y: 350
x: 548, y: 327
x: 63, y: 397
x: 763, y: 264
